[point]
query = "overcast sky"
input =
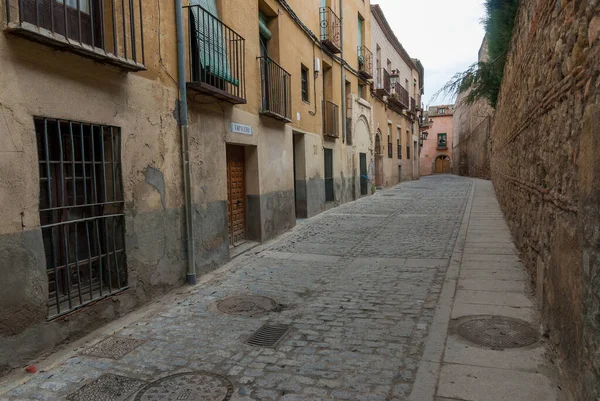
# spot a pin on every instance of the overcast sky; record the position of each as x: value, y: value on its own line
x: 444, y: 35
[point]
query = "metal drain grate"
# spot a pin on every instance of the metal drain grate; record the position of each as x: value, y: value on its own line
x: 247, y: 305
x: 498, y: 332
x: 114, y: 347
x: 269, y: 336
x: 192, y: 386
x: 107, y: 387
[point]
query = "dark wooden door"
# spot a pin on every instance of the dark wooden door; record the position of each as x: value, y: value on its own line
x: 364, y: 178
x: 329, y: 190
x: 236, y: 194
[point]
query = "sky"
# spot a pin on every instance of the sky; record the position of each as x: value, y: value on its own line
x: 444, y: 35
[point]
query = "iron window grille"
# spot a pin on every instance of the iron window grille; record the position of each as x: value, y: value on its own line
x: 390, y: 149
x: 276, y: 90
x: 304, y: 79
x: 399, y: 150
x: 110, y: 31
x: 217, y: 57
x: 442, y: 142
x: 81, y: 212
x: 329, y: 185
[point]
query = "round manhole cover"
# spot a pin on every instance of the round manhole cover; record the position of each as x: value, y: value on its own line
x: 194, y: 386
x: 498, y: 332
x: 247, y: 305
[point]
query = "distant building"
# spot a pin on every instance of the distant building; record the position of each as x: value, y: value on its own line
x: 437, y: 138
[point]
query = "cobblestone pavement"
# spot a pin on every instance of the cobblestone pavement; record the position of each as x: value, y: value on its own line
x: 358, y: 285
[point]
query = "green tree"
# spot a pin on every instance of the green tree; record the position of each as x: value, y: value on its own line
x: 485, y: 78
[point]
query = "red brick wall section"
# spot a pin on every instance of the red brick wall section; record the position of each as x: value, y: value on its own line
x: 546, y: 171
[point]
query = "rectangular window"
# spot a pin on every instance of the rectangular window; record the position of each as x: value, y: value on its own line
x: 83, y: 5
x: 362, y: 91
x: 408, y: 141
x: 442, y: 144
x: 399, y: 149
x: 390, y: 149
x: 329, y: 192
x: 304, y: 78
x: 81, y: 211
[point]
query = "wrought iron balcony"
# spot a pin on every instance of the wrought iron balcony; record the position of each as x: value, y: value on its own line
x: 217, y: 58
x: 108, y: 31
x: 413, y: 107
x: 276, y: 90
x: 365, y: 62
x: 331, y: 124
x: 383, y: 87
x: 331, y: 29
x: 399, y: 97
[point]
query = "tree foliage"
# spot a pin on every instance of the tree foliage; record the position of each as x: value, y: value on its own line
x: 483, y: 79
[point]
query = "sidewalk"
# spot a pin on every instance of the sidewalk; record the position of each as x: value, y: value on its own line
x: 485, y: 280
x: 369, y: 299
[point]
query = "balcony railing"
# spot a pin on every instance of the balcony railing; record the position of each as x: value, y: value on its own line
x: 217, y: 57
x: 383, y: 83
x: 413, y: 105
x: 331, y: 124
x: 365, y: 62
x: 331, y: 29
x: 276, y: 90
x: 108, y: 31
x: 399, y: 97
x: 442, y: 146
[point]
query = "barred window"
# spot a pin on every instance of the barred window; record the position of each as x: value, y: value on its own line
x: 81, y: 211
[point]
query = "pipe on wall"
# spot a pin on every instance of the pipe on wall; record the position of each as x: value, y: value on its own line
x: 185, y: 152
x: 343, y: 74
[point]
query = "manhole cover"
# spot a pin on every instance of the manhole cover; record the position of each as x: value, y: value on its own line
x: 107, y: 387
x: 247, y: 305
x: 193, y: 386
x: 268, y: 336
x: 113, y: 347
x: 498, y: 332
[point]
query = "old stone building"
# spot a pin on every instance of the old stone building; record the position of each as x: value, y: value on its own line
x: 472, y: 141
x: 545, y: 146
x: 437, y: 138
x: 397, y: 90
x: 109, y: 174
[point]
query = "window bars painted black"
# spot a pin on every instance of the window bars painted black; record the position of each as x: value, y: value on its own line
x: 331, y: 125
x: 107, y: 30
x: 329, y: 183
x: 81, y: 212
x: 331, y: 29
x: 383, y: 82
x: 399, y: 96
x: 408, y: 151
x: 276, y: 90
x: 399, y: 150
x: 390, y: 148
x: 217, y: 57
x: 365, y: 62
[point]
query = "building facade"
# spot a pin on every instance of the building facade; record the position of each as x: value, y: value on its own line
x: 472, y: 141
x: 94, y: 155
x: 437, y: 137
x: 397, y: 91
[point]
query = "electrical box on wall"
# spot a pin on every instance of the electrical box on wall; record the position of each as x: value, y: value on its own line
x: 317, y: 64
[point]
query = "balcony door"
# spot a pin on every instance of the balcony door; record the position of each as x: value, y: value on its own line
x: 81, y: 22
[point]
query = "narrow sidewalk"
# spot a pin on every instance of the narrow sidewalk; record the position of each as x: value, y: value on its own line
x: 485, y: 344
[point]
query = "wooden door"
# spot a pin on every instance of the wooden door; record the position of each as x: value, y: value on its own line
x: 439, y: 165
x: 446, y: 166
x: 236, y: 194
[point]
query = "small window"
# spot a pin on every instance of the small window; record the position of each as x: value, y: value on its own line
x: 362, y: 90
x: 442, y: 143
x: 390, y: 149
x: 399, y: 148
x: 304, y: 77
x: 408, y: 141
x: 81, y: 211
x: 441, y: 111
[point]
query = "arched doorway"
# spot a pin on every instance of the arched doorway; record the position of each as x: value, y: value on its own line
x: 442, y: 165
x: 378, y: 160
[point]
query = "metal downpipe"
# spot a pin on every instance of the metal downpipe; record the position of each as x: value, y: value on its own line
x: 185, y: 153
x: 343, y: 75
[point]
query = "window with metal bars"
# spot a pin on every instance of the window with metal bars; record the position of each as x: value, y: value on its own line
x: 304, y: 79
x: 81, y: 212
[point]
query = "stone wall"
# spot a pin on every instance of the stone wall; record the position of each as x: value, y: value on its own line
x: 544, y: 166
x: 472, y: 153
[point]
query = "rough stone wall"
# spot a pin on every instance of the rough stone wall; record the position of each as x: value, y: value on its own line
x: 545, y: 147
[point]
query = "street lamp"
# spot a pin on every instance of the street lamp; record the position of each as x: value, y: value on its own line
x: 394, y: 77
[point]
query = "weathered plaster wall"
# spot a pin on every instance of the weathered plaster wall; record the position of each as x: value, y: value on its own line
x: 429, y: 152
x: 545, y: 147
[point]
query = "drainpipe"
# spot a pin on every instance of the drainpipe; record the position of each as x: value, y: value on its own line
x: 185, y: 152
x: 343, y: 79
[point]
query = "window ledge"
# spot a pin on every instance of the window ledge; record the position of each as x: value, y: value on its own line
x: 56, y: 40
x: 363, y: 102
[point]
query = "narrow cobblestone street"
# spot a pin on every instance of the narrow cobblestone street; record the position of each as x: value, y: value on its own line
x: 359, y: 286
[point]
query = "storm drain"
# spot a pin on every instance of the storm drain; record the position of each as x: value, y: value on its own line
x: 247, y: 305
x: 269, y: 336
x: 107, y: 387
x: 498, y: 332
x: 192, y: 386
x: 114, y: 347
